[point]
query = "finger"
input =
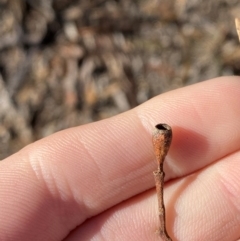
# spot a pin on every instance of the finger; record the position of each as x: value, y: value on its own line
x: 201, y: 206
x: 204, y: 118
x: 134, y: 219
x: 82, y: 171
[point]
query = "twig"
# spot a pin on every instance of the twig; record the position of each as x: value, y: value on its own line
x: 237, y: 23
x: 162, y: 137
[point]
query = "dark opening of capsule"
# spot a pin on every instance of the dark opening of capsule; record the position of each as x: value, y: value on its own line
x: 163, y: 127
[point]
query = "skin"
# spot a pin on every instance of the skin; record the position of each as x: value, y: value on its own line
x: 95, y: 182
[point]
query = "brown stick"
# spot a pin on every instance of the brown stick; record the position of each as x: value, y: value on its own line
x: 162, y: 137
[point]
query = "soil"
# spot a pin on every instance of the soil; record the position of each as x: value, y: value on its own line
x: 65, y: 63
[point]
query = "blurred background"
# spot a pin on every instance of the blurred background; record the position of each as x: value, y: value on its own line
x: 65, y: 63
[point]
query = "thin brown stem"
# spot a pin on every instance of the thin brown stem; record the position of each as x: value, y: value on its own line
x: 162, y: 137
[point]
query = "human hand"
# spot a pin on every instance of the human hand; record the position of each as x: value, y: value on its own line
x: 95, y: 182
